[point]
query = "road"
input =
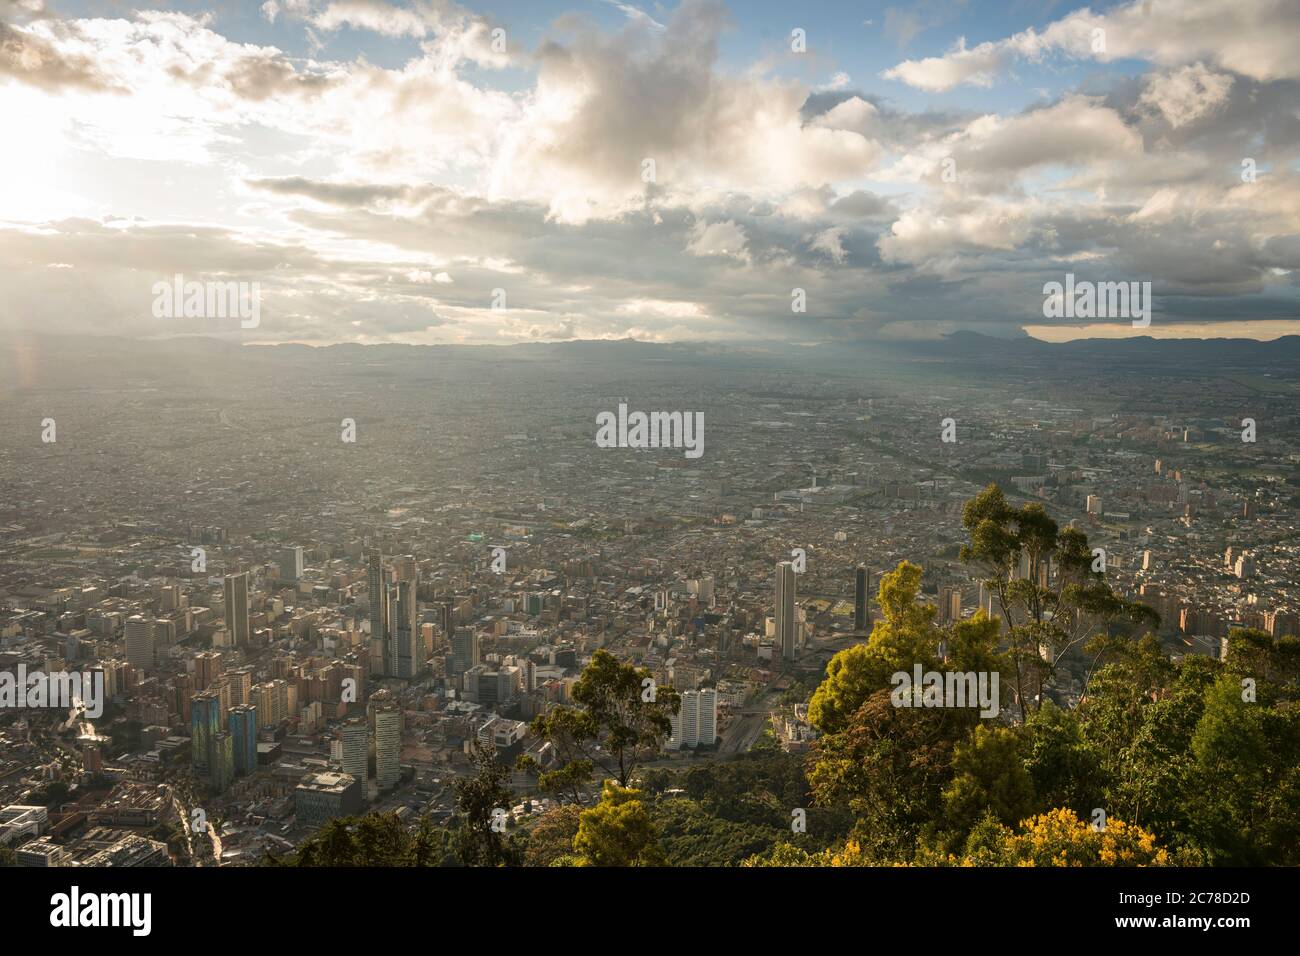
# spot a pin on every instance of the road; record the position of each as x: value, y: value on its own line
x: 748, y: 726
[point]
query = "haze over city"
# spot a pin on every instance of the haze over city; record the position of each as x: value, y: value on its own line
x: 654, y: 436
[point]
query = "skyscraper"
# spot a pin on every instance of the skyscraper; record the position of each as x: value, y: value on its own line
x: 388, y: 740
x: 140, y: 645
x: 785, y: 618
x: 235, y: 587
x: 696, y: 721
x: 707, y: 716
x: 377, y: 580
x: 205, y: 724
x: 949, y: 605
x: 354, y: 741
x: 860, y: 598
x: 290, y: 562
x: 407, y: 654
x: 686, y: 722
x: 464, y: 649
x: 446, y: 616
x: 207, y: 668
x: 242, y: 722
x: 221, y: 773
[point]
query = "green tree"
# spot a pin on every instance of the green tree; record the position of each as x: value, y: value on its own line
x: 622, y: 720
x: 478, y: 841
x: 1247, y: 810
x: 1047, y: 614
x: 371, y: 840
x: 905, y: 635
x: 1064, y: 770
x: 889, y: 767
x: 551, y: 837
x: 617, y: 831
x: 989, y: 777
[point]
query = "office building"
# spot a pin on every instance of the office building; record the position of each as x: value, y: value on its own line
x: 784, y: 614
x: 290, y: 563
x: 140, y: 645
x: 464, y: 649
x: 388, y: 740
x: 407, y: 654
x: 861, y: 579
x: 354, y: 746
x: 242, y: 723
x: 377, y: 580
x: 321, y: 797
x: 235, y: 588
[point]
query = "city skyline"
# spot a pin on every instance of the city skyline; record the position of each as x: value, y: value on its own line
x: 655, y: 440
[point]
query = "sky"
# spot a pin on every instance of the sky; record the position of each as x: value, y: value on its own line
x: 540, y: 171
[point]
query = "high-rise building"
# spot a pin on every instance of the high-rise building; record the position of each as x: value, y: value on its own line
x: 1245, y: 565
x: 696, y: 721
x: 860, y: 598
x: 406, y: 656
x: 785, y: 617
x: 354, y: 741
x: 242, y: 722
x: 140, y: 646
x: 949, y: 605
x: 388, y: 739
x: 377, y: 581
x: 207, y: 668
x: 241, y: 686
x: 205, y: 724
x: 446, y: 618
x: 706, y: 590
x: 405, y: 568
x: 235, y: 588
x: 464, y: 649
x: 707, y: 717
x: 222, y: 773
x: 1093, y: 504
x: 686, y: 722
x: 290, y: 563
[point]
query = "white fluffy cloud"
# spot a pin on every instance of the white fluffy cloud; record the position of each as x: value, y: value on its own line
x: 1256, y: 39
x: 387, y: 202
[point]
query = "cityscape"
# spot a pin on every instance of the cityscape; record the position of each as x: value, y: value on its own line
x: 293, y: 628
x: 593, y: 435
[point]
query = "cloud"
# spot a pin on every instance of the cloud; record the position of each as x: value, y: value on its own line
x: 722, y: 239
x: 1256, y: 40
x: 386, y: 201
x: 1187, y: 94
x: 605, y: 105
x: 28, y: 57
